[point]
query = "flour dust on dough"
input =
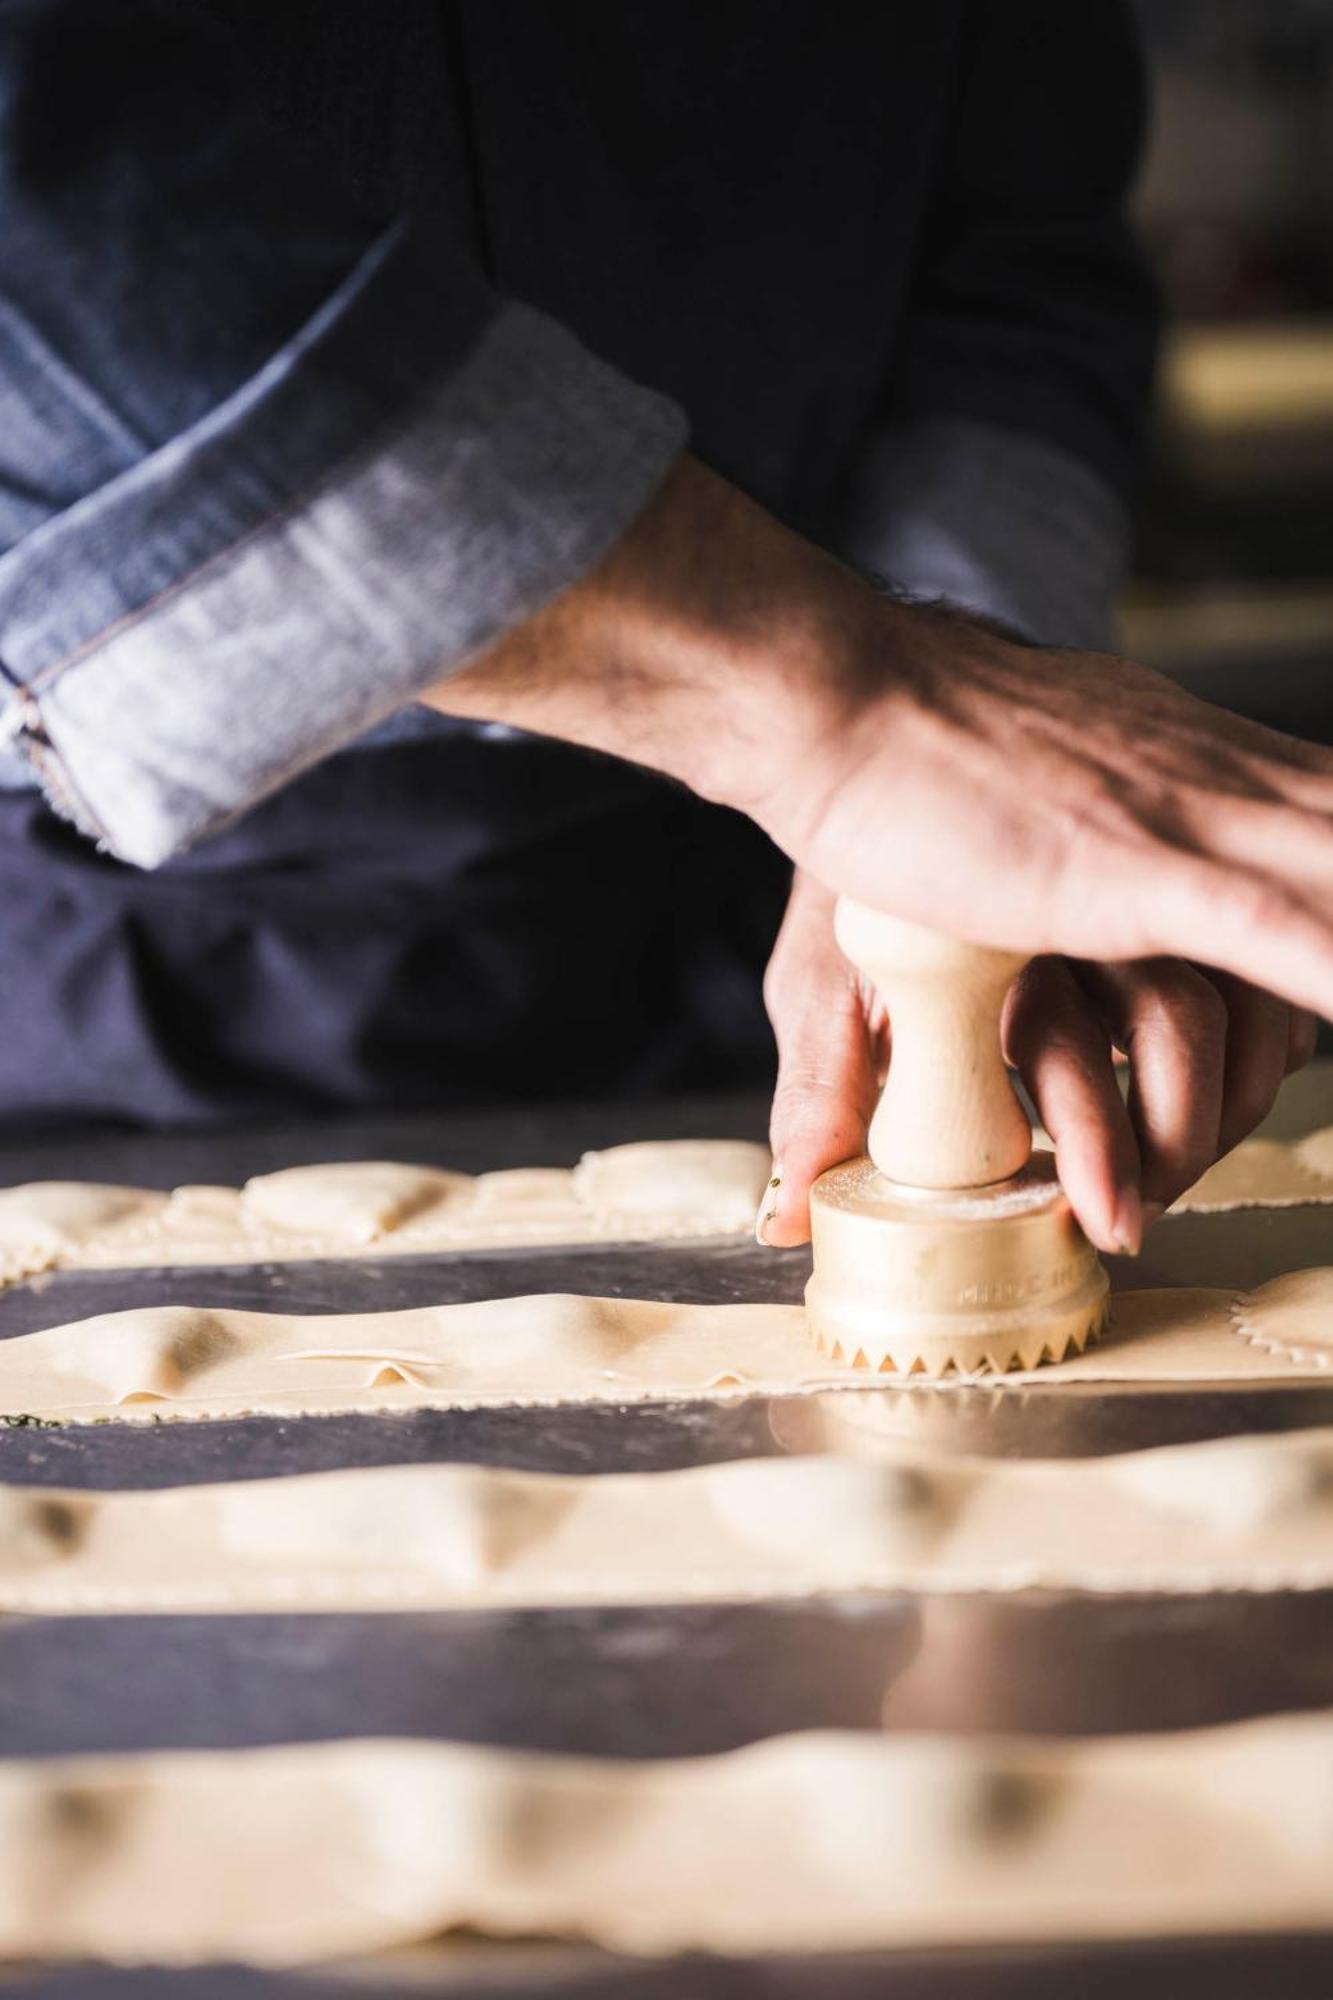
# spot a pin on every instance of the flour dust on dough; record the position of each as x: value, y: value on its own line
x: 1246, y: 1513
x: 154, y: 1363
x: 811, y: 1843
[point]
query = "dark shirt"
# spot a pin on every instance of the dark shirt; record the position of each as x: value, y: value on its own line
x: 251, y: 246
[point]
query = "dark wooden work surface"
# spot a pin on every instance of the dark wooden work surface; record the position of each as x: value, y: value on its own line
x: 648, y: 1682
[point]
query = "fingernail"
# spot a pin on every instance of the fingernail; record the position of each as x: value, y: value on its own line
x: 768, y: 1206
x: 1129, y: 1222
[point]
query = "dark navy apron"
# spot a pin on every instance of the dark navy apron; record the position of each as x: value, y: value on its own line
x: 454, y: 922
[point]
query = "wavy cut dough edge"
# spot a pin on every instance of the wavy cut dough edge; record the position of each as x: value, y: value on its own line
x: 1265, y: 1173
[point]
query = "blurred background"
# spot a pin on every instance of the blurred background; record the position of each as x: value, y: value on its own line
x: 1233, y: 583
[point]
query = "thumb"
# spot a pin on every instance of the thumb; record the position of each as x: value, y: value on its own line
x: 827, y: 1081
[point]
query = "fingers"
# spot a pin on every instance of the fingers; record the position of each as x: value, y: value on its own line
x: 829, y: 1055
x: 1208, y: 1053
x: 1262, y: 1032
x: 1172, y: 1024
x: 1245, y: 924
x: 1060, y: 1048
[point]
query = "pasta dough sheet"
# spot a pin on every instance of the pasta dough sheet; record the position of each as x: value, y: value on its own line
x: 655, y: 1190
x: 1265, y: 1173
x: 672, y: 1188
x: 1249, y: 1513
x: 821, y: 1842
x: 184, y: 1361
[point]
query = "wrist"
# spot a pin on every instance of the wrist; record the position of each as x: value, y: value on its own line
x: 711, y: 643
x: 728, y: 622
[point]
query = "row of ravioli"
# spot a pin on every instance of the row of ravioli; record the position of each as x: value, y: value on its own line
x: 654, y: 1189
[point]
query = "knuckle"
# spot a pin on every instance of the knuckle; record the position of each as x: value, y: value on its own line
x: 1069, y: 1056
x: 814, y: 1042
x: 1252, y: 904
x: 800, y: 1081
x: 1049, y: 1019
x: 808, y: 988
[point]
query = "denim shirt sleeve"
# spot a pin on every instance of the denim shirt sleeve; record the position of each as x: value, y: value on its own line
x: 993, y: 521
x: 1011, y: 429
x: 267, y: 469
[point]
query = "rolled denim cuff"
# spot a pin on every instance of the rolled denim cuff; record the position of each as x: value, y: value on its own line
x: 993, y: 521
x: 418, y: 470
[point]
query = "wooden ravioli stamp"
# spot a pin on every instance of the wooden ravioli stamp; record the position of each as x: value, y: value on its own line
x: 951, y: 1247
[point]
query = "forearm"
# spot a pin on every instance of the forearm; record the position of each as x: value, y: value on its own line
x: 709, y: 643
x: 1023, y: 797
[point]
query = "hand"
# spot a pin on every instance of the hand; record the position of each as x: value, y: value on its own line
x: 1037, y: 800
x: 1206, y: 1053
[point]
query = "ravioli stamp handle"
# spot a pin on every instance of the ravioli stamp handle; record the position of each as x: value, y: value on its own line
x: 948, y: 1116
x: 953, y: 1247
